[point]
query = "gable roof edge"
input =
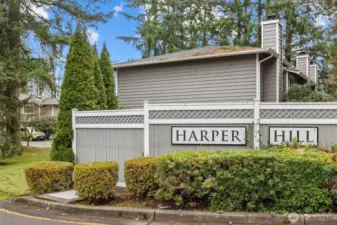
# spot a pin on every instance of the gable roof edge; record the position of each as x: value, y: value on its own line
x: 126, y: 65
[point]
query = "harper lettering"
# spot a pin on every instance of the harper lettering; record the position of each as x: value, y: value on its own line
x: 209, y: 135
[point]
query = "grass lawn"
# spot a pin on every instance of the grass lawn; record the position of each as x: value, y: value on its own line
x: 3, y: 197
x: 12, y: 179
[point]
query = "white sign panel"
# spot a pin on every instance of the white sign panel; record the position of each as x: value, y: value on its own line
x: 209, y: 135
x: 304, y: 135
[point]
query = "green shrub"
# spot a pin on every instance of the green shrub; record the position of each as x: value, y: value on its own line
x: 96, y: 181
x: 334, y: 148
x: 249, y: 180
x: 303, y: 93
x: 46, y: 124
x: 64, y: 155
x: 139, y: 176
x: 47, y: 177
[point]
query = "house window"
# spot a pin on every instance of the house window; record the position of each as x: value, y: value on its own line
x: 291, y: 82
x: 28, y: 109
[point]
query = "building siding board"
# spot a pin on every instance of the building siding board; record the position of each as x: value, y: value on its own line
x: 302, y: 65
x: 312, y: 72
x: 269, y: 75
x: 269, y: 36
x: 216, y: 80
x: 280, y: 64
x: 109, y: 145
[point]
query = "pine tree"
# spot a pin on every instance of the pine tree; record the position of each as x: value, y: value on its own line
x: 78, y: 92
x: 19, y: 18
x: 108, y: 76
x: 99, y: 82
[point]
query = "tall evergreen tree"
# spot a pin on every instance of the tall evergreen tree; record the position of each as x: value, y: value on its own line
x: 99, y: 82
x: 78, y: 92
x: 109, y: 79
x: 332, y: 59
x: 173, y: 25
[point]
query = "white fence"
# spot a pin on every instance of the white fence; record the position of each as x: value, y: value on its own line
x: 147, y: 131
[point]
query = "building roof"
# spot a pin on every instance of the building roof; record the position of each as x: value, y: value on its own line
x: 197, y: 53
x: 50, y: 101
x: 38, y: 100
x: 297, y: 72
x: 29, y: 98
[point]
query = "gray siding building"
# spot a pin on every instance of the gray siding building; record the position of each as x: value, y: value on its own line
x: 214, y: 74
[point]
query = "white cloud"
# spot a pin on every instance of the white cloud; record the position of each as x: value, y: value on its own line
x: 117, y: 9
x: 321, y: 21
x: 93, y: 36
x: 41, y: 12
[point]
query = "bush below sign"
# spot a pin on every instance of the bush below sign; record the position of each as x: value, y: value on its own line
x: 279, y: 180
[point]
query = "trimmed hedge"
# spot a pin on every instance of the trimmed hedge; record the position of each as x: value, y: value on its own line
x: 334, y: 148
x: 47, y: 177
x: 96, y: 181
x: 139, y: 176
x: 249, y: 180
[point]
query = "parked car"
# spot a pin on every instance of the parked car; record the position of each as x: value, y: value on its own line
x: 33, y: 134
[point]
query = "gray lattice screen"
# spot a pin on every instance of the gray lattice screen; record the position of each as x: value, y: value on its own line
x: 109, y: 119
x: 202, y: 114
x: 298, y: 114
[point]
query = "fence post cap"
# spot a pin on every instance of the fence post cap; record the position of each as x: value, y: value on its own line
x: 74, y: 110
x: 146, y: 101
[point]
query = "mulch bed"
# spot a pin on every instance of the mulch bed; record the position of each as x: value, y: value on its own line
x: 124, y: 199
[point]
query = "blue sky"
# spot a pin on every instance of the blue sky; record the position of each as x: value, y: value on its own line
x: 118, y: 25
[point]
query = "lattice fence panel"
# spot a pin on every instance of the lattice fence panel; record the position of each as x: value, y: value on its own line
x: 202, y: 114
x: 298, y: 114
x: 110, y: 119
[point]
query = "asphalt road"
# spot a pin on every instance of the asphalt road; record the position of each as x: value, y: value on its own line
x: 38, y: 144
x: 14, y: 214
x: 8, y: 217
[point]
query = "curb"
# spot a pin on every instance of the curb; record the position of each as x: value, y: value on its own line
x: 116, y: 212
x: 224, y: 218
x: 182, y: 215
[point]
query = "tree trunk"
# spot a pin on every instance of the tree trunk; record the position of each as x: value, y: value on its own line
x: 289, y: 31
x: 259, y: 19
x: 14, y: 90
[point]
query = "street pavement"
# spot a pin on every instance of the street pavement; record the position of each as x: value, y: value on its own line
x: 14, y: 214
x: 38, y: 144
